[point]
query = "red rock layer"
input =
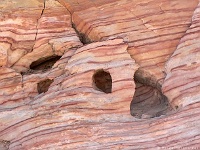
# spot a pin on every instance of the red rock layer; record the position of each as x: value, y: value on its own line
x: 151, y: 28
x: 18, y: 27
x: 72, y: 114
x: 182, y: 84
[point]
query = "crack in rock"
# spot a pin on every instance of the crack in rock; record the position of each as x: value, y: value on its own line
x: 82, y: 37
x: 38, y: 23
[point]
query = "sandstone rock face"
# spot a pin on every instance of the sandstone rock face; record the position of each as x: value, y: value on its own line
x: 72, y: 96
x: 183, y: 68
x: 151, y: 28
x: 34, y: 31
x: 86, y: 74
x: 18, y: 29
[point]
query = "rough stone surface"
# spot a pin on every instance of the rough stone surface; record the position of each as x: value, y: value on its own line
x: 149, y: 102
x: 182, y: 84
x: 71, y: 98
x: 152, y: 29
x: 34, y: 30
x: 85, y: 74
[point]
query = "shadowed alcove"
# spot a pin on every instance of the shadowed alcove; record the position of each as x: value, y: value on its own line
x: 148, y: 100
x: 44, y: 63
x: 102, y: 81
x: 44, y: 85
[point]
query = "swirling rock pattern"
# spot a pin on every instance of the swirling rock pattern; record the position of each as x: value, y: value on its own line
x: 127, y: 42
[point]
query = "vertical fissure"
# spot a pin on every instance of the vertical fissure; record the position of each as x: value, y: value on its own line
x: 38, y: 22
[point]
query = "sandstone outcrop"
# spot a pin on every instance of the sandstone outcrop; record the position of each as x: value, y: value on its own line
x: 182, y: 84
x: 34, y: 31
x: 152, y: 29
x: 83, y: 74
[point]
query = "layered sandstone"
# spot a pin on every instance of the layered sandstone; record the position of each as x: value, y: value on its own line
x: 18, y: 29
x: 87, y: 74
x: 72, y: 98
x: 182, y: 84
x: 34, y: 30
x: 152, y: 29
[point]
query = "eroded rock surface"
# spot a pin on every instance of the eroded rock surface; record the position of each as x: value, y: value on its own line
x: 149, y: 102
x: 182, y: 84
x: 152, y: 29
x: 73, y: 72
x: 33, y: 30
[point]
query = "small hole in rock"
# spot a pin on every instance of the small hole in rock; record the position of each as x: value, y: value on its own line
x: 148, y: 102
x: 44, y: 63
x: 102, y: 81
x: 43, y: 86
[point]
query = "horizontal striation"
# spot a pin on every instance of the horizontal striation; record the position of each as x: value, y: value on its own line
x: 74, y: 112
x: 74, y: 115
x: 54, y: 35
x: 72, y: 134
x: 71, y: 98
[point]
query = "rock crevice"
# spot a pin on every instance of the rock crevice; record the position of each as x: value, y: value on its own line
x: 38, y: 22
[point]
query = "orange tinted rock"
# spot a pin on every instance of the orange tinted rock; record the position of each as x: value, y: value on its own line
x: 18, y: 21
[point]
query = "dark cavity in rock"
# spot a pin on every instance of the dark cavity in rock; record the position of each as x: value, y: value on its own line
x: 148, y: 102
x: 43, y: 86
x: 82, y: 37
x: 44, y: 63
x: 102, y: 81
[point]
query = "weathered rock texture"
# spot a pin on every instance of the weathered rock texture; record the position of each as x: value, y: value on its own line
x: 182, y: 84
x: 149, y: 102
x: 71, y: 98
x: 152, y: 29
x: 34, y: 30
x: 91, y: 74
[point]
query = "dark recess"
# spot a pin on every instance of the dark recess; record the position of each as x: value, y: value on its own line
x: 148, y: 102
x: 43, y: 86
x: 102, y: 81
x: 44, y: 63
